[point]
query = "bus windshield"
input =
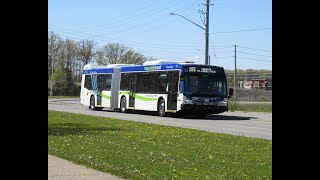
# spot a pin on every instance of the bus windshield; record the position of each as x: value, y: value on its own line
x: 205, y: 85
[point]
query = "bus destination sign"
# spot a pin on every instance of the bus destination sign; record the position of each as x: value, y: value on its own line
x: 199, y: 69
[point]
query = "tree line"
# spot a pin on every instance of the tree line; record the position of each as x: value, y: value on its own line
x: 67, y: 57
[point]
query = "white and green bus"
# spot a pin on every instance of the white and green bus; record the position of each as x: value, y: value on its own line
x: 160, y: 86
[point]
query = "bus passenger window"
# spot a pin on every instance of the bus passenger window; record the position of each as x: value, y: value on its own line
x: 125, y: 82
x: 108, y: 82
x: 162, y: 82
x: 87, y: 82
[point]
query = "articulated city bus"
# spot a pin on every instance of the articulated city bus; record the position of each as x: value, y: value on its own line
x: 160, y: 86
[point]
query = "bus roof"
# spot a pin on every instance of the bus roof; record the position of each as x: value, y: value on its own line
x: 91, y: 66
x: 163, y: 65
x: 157, y: 62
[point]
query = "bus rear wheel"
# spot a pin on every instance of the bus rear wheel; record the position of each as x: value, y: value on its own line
x: 123, y: 104
x: 162, y: 108
x: 92, y: 104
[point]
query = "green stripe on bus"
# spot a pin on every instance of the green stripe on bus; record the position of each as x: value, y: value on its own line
x: 139, y: 97
x: 144, y: 98
x: 105, y: 96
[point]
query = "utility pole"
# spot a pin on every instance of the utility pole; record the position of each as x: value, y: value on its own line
x: 206, y: 23
x: 235, y: 73
x: 207, y: 32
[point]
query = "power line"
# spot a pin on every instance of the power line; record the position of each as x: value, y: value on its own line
x: 174, y: 54
x: 148, y: 13
x: 104, y: 38
x: 137, y: 23
x: 253, y: 54
x: 240, y: 30
x: 131, y: 14
x: 150, y: 46
x: 225, y: 57
x: 255, y: 49
x: 167, y: 23
x: 146, y: 24
x: 213, y: 51
x: 254, y: 59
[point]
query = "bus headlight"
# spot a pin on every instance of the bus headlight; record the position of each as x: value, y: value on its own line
x: 185, y: 99
x: 225, y: 100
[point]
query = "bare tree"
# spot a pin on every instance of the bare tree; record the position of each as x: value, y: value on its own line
x: 85, y: 50
x: 66, y: 59
x: 110, y: 53
x: 114, y: 53
x: 101, y: 57
x: 151, y: 59
x: 54, y: 45
x: 131, y: 57
x: 71, y: 57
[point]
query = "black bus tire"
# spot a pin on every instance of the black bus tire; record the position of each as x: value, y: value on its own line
x: 162, y: 108
x: 92, y: 103
x: 123, y: 104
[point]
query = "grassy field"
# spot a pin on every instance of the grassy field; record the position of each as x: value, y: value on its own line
x: 63, y: 96
x: 137, y: 150
x: 256, y: 107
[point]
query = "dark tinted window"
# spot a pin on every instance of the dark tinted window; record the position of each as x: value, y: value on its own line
x: 153, y: 80
x: 87, y: 82
x: 108, y: 82
x: 125, y: 82
x: 142, y: 82
x: 205, y: 84
x: 133, y: 82
x: 101, y: 78
x: 174, y: 81
x: 162, y: 82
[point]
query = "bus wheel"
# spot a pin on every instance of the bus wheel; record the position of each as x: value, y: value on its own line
x: 123, y: 104
x: 92, y: 103
x: 161, y: 108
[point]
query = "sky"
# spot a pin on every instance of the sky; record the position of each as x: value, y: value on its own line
x: 146, y: 27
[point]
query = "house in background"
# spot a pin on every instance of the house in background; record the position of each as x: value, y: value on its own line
x: 269, y: 85
x: 262, y: 84
x: 257, y: 83
x: 245, y: 84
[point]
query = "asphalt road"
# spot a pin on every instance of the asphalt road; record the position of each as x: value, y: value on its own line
x: 249, y: 124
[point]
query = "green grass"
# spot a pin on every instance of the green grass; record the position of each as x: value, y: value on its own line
x: 258, y: 107
x: 63, y: 96
x: 137, y: 150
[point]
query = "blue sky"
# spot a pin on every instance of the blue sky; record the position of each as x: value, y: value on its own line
x: 146, y: 27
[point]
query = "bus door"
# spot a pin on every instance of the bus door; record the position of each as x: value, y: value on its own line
x: 133, y: 80
x: 101, y: 80
x: 95, y: 87
x: 173, y: 78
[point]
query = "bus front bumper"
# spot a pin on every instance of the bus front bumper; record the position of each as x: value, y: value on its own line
x: 214, y: 109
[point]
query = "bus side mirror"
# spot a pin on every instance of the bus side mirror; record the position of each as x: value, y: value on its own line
x: 230, y: 92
